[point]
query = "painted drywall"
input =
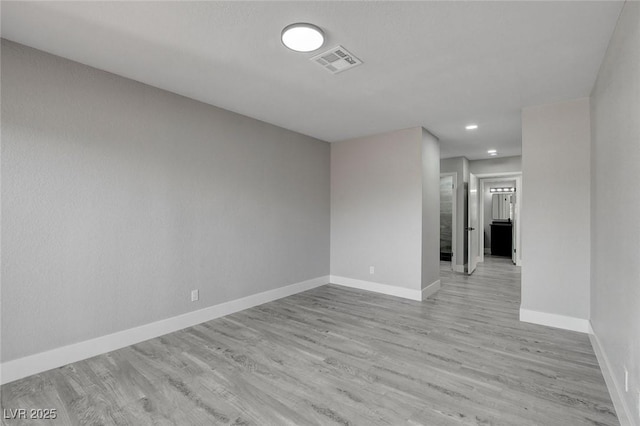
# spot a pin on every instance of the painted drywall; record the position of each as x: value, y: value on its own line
x: 488, y: 208
x: 493, y: 166
x: 460, y: 166
x: 430, y: 209
x: 615, y: 207
x: 119, y: 198
x: 376, y: 208
x: 555, y: 212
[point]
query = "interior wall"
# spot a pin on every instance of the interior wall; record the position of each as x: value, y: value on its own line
x: 119, y: 198
x: 376, y: 208
x: 615, y: 207
x: 555, y: 213
x: 430, y: 209
x: 496, y: 165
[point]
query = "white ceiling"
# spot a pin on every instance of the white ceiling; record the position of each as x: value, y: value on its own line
x: 439, y: 65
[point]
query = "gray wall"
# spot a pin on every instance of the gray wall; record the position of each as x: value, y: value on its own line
x: 615, y: 208
x: 119, y: 198
x: 496, y: 165
x: 460, y: 166
x: 430, y: 209
x: 376, y: 208
x: 555, y: 212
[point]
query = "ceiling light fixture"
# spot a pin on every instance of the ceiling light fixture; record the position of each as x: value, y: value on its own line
x: 302, y: 37
x: 471, y: 127
x: 492, y: 151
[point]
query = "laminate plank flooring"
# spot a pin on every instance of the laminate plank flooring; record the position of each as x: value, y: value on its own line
x: 334, y: 355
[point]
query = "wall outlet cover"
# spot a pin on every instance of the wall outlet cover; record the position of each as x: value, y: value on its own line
x: 194, y: 295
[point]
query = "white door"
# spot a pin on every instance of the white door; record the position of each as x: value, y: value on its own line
x: 472, y: 225
x: 514, y: 228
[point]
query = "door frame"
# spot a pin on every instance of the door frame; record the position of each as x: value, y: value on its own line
x: 488, y: 178
x: 454, y: 216
x: 471, y: 259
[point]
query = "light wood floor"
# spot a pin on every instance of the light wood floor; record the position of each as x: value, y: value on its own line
x: 335, y: 355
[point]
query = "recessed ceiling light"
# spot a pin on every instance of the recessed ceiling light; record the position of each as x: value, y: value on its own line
x: 492, y: 151
x: 302, y: 37
x: 471, y: 127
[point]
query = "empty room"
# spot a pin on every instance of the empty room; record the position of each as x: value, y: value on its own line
x: 320, y: 213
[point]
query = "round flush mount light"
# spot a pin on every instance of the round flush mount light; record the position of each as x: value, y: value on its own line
x: 302, y: 37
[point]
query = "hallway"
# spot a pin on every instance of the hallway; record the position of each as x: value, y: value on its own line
x: 538, y: 363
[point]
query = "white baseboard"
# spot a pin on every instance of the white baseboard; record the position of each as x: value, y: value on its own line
x: 458, y: 268
x: 391, y: 290
x: 33, y: 364
x: 430, y: 289
x: 555, y: 320
x: 615, y: 389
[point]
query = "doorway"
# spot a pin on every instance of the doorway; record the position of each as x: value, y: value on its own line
x: 472, y: 226
x: 489, y: 223
x: 448, y: 195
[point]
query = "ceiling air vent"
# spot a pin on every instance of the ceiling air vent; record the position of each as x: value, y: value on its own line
x: 337, y: 60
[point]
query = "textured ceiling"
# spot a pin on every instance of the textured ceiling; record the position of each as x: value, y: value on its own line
x: 439, y: 65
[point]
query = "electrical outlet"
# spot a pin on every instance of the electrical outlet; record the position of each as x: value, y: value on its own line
x: 194, y: 295
x: 626, y: 379
x: 371, y: 270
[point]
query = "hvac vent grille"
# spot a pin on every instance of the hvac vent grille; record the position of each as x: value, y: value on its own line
x: 337, y: 60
